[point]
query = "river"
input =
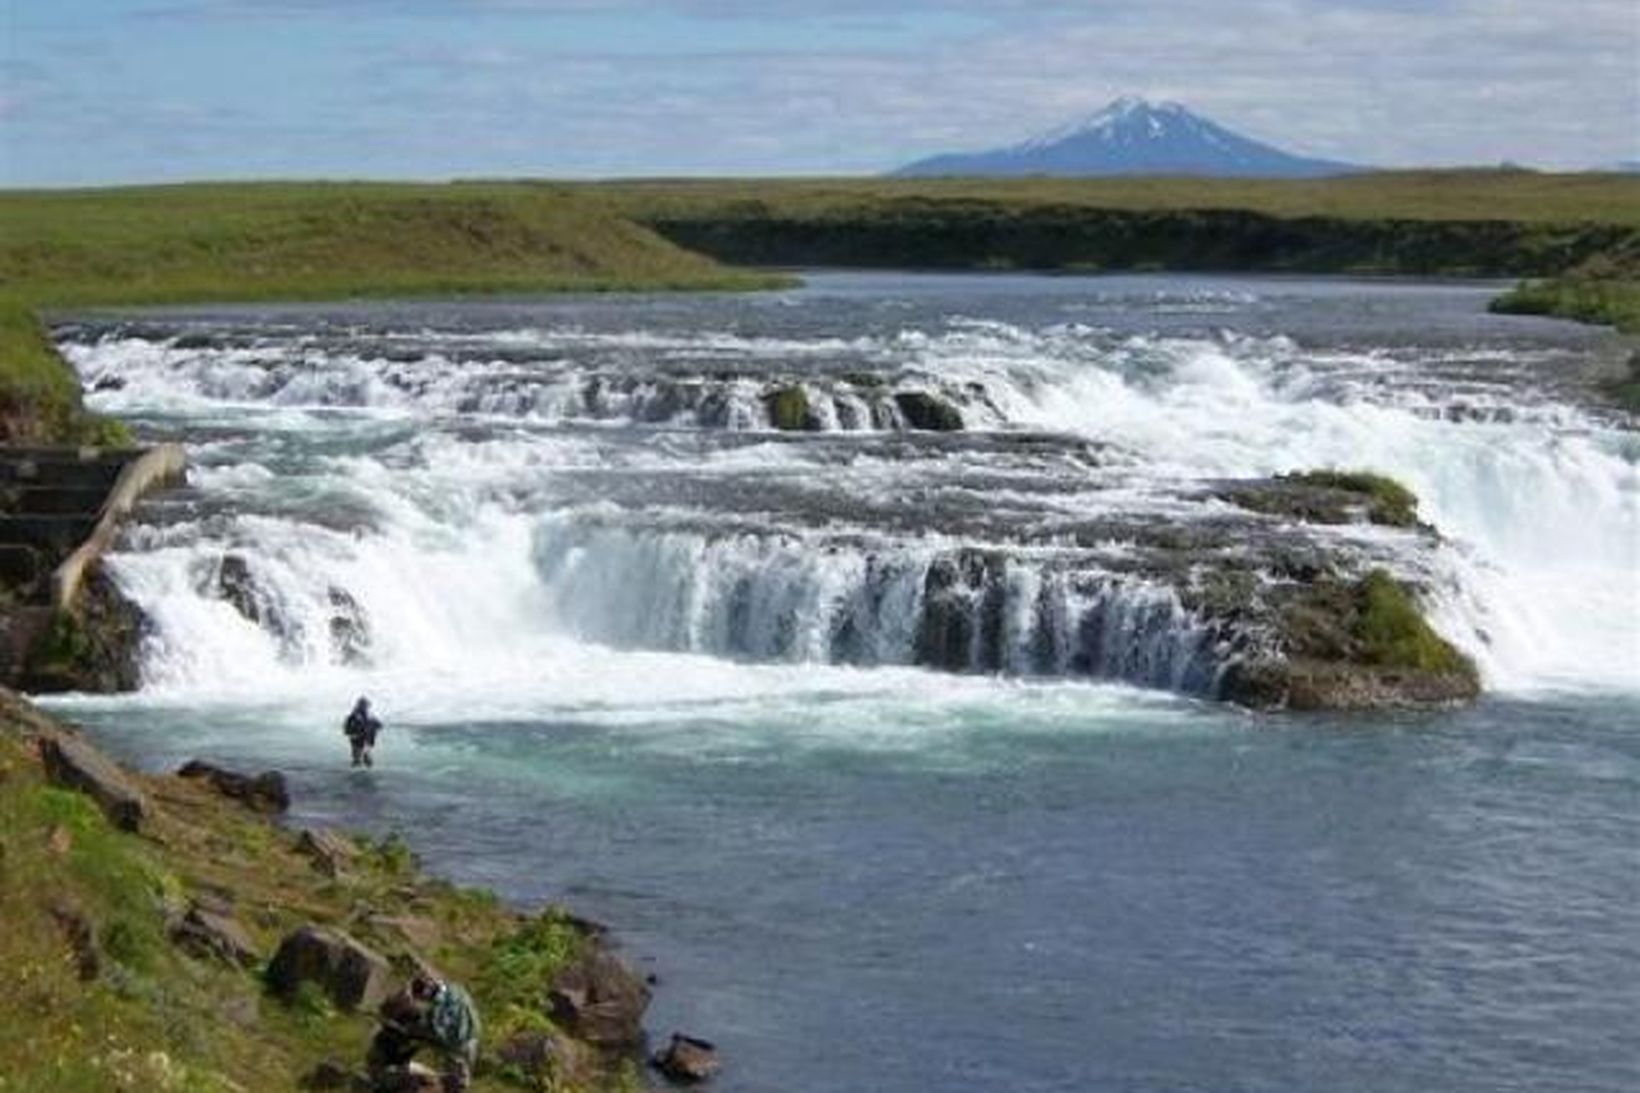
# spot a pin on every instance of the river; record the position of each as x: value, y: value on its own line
x: 639, y: 651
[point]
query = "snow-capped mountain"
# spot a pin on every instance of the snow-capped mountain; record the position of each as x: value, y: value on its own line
x: 1133, y: 137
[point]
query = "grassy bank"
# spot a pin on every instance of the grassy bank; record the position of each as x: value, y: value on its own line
x: 101, y: 998
x: 298, y: 241
x: 1493, y: 223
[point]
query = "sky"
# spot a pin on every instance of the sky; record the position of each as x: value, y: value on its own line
x: 109, y: 91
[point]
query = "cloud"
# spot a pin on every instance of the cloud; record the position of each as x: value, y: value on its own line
x: 433, y: 88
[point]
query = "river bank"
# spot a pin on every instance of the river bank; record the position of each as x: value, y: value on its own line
x: 137, y: 941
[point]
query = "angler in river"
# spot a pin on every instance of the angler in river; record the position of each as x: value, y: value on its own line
x: 361, y: 729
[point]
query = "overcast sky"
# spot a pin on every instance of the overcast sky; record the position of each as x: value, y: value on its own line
x: 103, y: 91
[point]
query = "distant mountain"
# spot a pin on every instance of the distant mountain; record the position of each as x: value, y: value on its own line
x: 1133, y: 137
x: 1627, y: 167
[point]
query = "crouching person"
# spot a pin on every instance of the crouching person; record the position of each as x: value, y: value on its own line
x: 426, y: 1014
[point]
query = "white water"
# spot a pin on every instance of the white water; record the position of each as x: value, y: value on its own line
x: 455, y: 497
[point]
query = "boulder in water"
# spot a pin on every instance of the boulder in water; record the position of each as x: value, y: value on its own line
x: 349, y: 628
x: 236, y: 587
x: 928, y: 412
x: 1357, y: 645
x: 790, y: 410
x: 687, y: 1059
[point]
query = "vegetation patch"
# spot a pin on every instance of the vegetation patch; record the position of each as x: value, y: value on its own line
x: 1392, y: 632
x: 295, y: 241
x: 144, y: 1013
x: 1329, y: 497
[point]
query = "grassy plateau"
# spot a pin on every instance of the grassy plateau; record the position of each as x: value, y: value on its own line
x: 298, y: 241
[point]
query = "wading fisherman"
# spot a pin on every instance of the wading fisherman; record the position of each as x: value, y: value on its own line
x: 428, y: 1013
x: 361, y: 730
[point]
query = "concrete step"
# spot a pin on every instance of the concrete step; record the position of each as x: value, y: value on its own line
x: 18, y: 500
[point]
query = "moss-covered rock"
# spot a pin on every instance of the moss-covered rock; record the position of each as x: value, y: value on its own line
x: 1353, y: 645
x: 1329, y: 497
x: 94, y: 647
x: 790, y: 410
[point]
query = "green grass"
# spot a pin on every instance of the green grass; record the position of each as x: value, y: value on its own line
x: 1388, y: 501
x: 1392, y: 631
x: 295, y: 241
x: 39, y: 394
x: 1521, y: 196
x: 1613, y: 303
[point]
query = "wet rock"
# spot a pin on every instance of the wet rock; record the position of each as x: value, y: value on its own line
x: 265, y: 792
x: 598, y: 999
x: 928, y: 412
x: 236, y: 587
x: 962, y: 619
x: 208, y: 934
x: 790, y: 410
x: 687, y: 1059
x: 349, y: 628
x: 73, y: 764
x: 1329, y: 497
x: 351, y: 974
x: 93, y: 648
x: 1351, y: 645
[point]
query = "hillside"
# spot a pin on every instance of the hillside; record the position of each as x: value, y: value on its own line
x: 120, y: 993
x: 255, y: 241
x: 1495, y: 224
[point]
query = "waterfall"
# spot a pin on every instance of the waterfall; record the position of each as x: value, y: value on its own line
x: 403, y: 500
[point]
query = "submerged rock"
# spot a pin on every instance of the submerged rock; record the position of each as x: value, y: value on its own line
x: 687, y: 1059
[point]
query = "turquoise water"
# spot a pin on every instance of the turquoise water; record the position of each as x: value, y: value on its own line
x: 639, y: 654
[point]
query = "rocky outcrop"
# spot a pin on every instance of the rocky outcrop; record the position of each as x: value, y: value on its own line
x: 93, y: 646
x: 1352, y: 645
x: 265, y: 792
x: 600, y: 1000
x: 1329, y: 497
x: 209, y: 934
x: 331, y: 854
x: 350, y: 973
x: 72, y: 763
x: 64, y: 625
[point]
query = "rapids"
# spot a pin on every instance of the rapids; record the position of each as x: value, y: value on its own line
x: 639, y: 651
